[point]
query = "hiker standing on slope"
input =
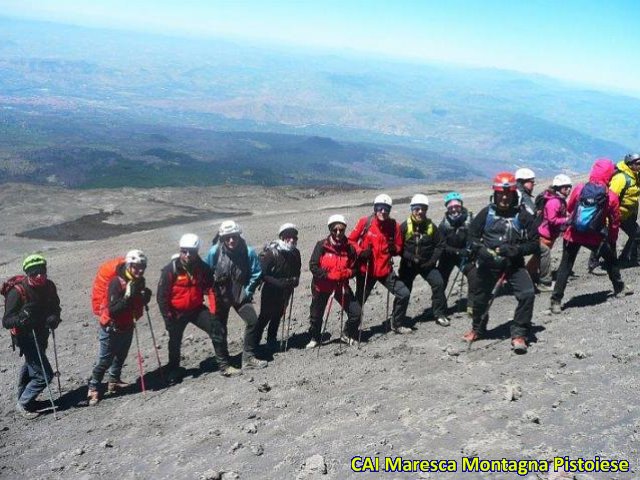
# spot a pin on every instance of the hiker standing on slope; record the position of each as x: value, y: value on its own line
x: 281, y: 265
x: 124, y: 302
x: 423, y: 246
x: 183, y: 284
x: 236, y: 276
x: 454, y: 227
x: 377, y: 239
x: 554, y: 218
x: 501, y: 235
x: 32, y: 307
x: 594, y: 223
x: 625, y: 184
x: 332, y: 264
x: 525, y: 181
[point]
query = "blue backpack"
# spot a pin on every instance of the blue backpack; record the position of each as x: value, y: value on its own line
x: 589, y: 213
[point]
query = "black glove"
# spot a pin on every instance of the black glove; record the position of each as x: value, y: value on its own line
x: 393, y: 250
x: 53, y: 321
x: 26, y: 316
x: 509, y: 251
x: 146, y: 295
x: 220, y: 280
x: 295, y: 281
x: 415, y: 259
x: 428, y: 265
x: 365, y: 254
x: 486, y: 254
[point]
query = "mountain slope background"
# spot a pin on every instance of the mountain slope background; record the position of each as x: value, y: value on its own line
x: 421, y: 396
x: 71, y: 94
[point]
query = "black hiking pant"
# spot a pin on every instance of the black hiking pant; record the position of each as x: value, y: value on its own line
x: 445, y: 266
x: 483, y: 283
x: 273, y: 307
x: 569, y: 254
x: 629, y: 252
x: 205, y: 321
x: 250, y: 318
x: 343, y: 298
x: 433, y: 277
x: 392, y: 283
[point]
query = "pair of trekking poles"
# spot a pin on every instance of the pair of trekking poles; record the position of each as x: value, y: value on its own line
x: 155, y: 348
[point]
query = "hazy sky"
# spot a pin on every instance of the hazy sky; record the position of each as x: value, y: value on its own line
x: 595, y: 42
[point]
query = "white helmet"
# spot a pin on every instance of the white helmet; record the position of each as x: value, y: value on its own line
x: 190, y: 241
x: 287, y: 226
x: 383, y: 199
x: 229, y: 227
x: 561, y: 180
x: 525, y: 174
x: 336, y: 219
x: 135, y: 256
x: 419, y: 199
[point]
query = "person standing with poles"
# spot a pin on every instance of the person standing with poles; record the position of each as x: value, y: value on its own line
x: 236, y: 276
x: 454, y: 227
x: 281, y: 265
x: 332, y: 264
x: 377, y: 239
x: 501, y: 235
x: 32, y: 308
x: 126, y: 296
x: 594, y: 222
x: 183, y: 284
x: 423, y: 246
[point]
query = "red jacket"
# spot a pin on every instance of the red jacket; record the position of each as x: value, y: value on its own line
x: 181, y: 292
x: 331, y: 264
x: 121, y: 312
x: 601, y: 172
x: 385, y: 240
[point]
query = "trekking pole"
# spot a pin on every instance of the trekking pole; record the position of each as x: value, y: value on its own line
x: 364, y: 293
x: 283, y: 317
x: 55, y: 358
x: 286, y: 343
x: 455, y: 279
x: 342, y: 301
x: 44, y: 372
x: 461, y: 291
x: 140, y: 367
x: 326, y: 321
x: 153, y: 339
x: 386, y: 318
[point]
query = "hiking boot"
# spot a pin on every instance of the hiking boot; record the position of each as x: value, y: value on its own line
x: 93, y: 397
x: 544, y: 287
x: 623, y: 291
x: 312, y: 344
x: 229, y: 371
x: 175, y: 375
x: 252, y: 363
x: 555, y: 307
x: 348, y: 340
x: 443, y: 321
x: 402, y: 330
x: 24, y: 413
x: 519, y: 345
x: 471, y: 336
x: 114, y: 386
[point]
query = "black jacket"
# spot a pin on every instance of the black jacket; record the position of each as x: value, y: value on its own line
x: 423, y: 245
x: 456, y: 232
x: 278, y: 265
x: 490, y: 232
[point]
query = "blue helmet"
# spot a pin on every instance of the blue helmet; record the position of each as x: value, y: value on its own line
x: 452, y: 196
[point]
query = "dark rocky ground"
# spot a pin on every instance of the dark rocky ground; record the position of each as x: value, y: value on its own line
x: 421, y: 396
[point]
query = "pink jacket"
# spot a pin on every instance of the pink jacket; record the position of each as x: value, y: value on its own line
x: 601, y: 172
x: 554, y: 216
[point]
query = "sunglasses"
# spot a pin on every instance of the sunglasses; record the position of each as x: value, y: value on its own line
x: 188, y: 251
x: 419, y: 208
x: 338, y: 230
x: 235, y: 238
x: 139, y: 267
x: 383, y: 209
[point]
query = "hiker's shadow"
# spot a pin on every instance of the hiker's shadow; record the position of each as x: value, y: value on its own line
x: 588, y: 299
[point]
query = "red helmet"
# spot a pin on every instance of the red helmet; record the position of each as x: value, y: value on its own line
x: 504, y: 181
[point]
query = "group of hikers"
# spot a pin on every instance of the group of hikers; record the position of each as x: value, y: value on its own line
x: 489, y: 249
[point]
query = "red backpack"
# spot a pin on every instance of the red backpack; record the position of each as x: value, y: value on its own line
x: 106, y: 272
x: 14, y: 282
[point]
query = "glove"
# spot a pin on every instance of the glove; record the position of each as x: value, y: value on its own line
x: 295, y: 281
x: 415, y: 259
x: 25, y: 319
x: 428, y: 265
x: 393, y: 250
x: 465, y: 252
x: 365, y: 254
x: 53, y: 321
x: 220, y: 280
x: 508, y: 251
x: 146, y: 295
